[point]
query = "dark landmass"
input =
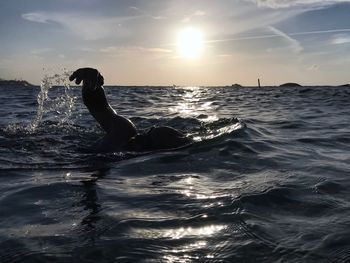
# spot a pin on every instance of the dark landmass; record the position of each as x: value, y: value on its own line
x: 236, y: 85
x: 290, y: 84
x: 15, y: 83
x: 345, y: 85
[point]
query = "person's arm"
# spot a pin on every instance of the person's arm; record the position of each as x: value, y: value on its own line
x: 93, y: 95
x: 91, y: 78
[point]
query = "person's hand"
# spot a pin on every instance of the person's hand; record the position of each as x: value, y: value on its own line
x: 91, y: 77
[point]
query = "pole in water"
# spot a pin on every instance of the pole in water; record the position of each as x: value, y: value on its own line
x: 259, y: 83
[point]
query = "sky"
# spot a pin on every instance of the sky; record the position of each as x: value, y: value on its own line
x: 138, y: 42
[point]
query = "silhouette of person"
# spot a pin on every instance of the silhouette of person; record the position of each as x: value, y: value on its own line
x: 121, y: 133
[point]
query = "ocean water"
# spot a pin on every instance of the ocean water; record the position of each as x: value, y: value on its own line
x: 267, y: 180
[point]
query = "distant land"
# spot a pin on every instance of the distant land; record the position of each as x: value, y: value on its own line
x: 25, y: 83
x: 15, y: 82
x: 290, y: 84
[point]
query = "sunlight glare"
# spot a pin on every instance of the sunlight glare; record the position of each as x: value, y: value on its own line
x: 190, y: 42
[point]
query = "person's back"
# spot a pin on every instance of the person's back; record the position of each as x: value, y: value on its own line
x: 158, y: 138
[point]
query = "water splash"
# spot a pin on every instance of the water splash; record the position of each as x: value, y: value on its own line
x: 63, y: 105
x: 59, y: 108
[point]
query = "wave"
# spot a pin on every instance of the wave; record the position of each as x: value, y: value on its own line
x: 63, y: 143
x: 265, y: 175
x: 62, y: 136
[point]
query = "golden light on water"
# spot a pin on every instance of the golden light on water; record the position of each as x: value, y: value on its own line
x: 205, y: 231
x: 190, y: 42
x: 194, y: 103
x: 194, y: 231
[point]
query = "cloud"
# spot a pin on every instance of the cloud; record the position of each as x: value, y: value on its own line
x: 143, y: 12
x: 41, y: 51
x: 36, y: 17
x: 85, y: 49
x: 293, y: 43
x: 195, y: 14
x: 199, y: 13
x: 134, y: 50
x: 341, y: 39
x: 278, y: 33
x: 293, y: 3
x: 313, y: 67
x: 88, y: 27
x: 109, y: 49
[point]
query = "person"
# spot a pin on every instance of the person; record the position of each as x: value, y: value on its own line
x: 121, y: 133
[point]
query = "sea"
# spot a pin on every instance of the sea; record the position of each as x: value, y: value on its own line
x: 267, y: 178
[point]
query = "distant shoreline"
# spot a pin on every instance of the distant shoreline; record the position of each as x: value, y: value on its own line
x: 15, y: 82
x: 25, y: 83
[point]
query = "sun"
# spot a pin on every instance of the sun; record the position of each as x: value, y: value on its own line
x: 190, y: 42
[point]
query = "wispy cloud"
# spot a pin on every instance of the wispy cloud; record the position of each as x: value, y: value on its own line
x: 313, y: 67
x: 291, y: 3
x: 293, y: 43
x: 36, y: 17
x: 266, y: 36
x: 41, y: 51
x: 134, y: 50
x: 143, y: 12
x: 87, y: 26
x: 341, y: 39
x: 195, y: 14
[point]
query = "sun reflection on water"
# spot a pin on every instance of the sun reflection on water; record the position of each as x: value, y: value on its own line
x: 191, y: 231
x: 199, y: 104
x: 192, y: 187
x: 196, y: 250
x: 194, y: 104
